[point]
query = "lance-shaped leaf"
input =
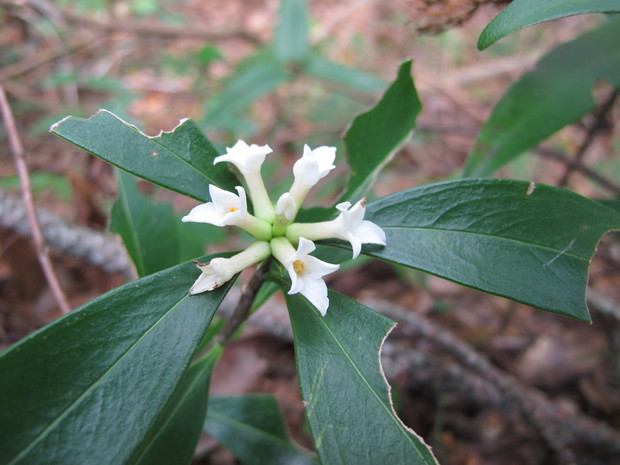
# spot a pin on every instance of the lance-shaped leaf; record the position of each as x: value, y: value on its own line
x: 180, y: 160
x: 253, y: 79
x: 149, y: 230
x: 291, y: 42
x: 88, y: 387
x: 377, y: 134
x: 349, y: 78
x: 523, y: 13
x: 527, y: 242
x: 252, y: 428
x: 347, y: 398
x: 173, y: 438
x: 558, y: 92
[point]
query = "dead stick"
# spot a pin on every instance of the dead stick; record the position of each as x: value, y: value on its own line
x: 22, y: 169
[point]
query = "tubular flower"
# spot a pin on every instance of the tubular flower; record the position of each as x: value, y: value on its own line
x: 249, y: 159
x: 312, y: 166
x: 306, y: 272
x: 228, y: 209
x: 273, y: 227
x: 220, y: 270
x: 349, y: 226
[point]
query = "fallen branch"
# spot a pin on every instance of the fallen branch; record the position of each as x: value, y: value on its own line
x: 102, y: 250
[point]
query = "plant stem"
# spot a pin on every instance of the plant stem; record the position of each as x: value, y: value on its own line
x: 242, y: 310
x: 37, y: 237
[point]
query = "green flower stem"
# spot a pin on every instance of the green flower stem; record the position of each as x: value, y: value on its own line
x: 282, y: 249
x: 312, y: 231
x: 263, y: 207
x: 255, y: 253
x: 258, y: 228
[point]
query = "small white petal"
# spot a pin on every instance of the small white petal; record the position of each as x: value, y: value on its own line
x: 356, y: 230
x: 224, y: 209
x: 306, y: 273
x: 213, y: 275
x: 286, y: 207
x: 310, y: 168
x: 247, y: 158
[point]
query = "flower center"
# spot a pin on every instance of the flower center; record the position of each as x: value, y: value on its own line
x: 233, y: 209
x: 299, y: 266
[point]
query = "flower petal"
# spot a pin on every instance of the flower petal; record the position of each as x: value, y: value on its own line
x: 247, y: 158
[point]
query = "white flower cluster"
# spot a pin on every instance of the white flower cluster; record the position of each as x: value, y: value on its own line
x: 274, y: 229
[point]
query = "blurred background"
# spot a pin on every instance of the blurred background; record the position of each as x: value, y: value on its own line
x: 217, y: 62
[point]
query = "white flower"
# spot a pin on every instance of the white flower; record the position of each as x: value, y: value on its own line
x: 312, y: 166
x: 248, y: 159
x: 355, y: 229
x: 220, y: 270
x: 228, y: 209
x: 306, y: 272
x: 349, y: 226
x: 286, y: 207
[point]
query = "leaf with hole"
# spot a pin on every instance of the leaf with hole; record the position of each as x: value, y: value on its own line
x: 180, y: 160
x: 346, y: 395
x: 528, y: 242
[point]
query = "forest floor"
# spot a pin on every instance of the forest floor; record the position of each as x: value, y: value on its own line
x: 58, y: 61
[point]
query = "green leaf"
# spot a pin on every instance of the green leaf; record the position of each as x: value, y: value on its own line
x: 349, y: 78
x: 180, y: 160
x: 148, y: 230
x: 558, y: 92
x: 346, y: 395
x: 528, y: 242
x: 88, y: 387
x: 523, y: 13
x: 252, y: 428
x: 291, y: 42
x: 377, y: 134
x: 173, y: 438
x: 253, y: 79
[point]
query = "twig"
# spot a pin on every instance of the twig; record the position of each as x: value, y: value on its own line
x: 593, y: 130
x: 534, y: 405
x: 37, y: 236
x: 594, y: 176
x: 242, y: 310
x: 160, y: 30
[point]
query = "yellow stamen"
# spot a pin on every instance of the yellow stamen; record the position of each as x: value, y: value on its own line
x: 233, y: 209
x: 299, y: 266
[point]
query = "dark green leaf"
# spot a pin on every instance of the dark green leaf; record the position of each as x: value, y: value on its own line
x: 195, y: 236
x: 558, y: 92
x: 88, y: 387
x: 346, y: 395
x: 148, y: 230
x: 180, y: 160
x: 291, y: 42
x: 530, y: 243
x: 523, y: 13
x: 173, y: 438
x: 376, y: 135
x: 252, y: 428
x: 253, y: 79
x: 349, y: 78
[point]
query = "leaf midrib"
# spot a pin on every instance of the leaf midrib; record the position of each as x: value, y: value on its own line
x: 388, y: 410
x: 501, y: 238
x: 76, y: 402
